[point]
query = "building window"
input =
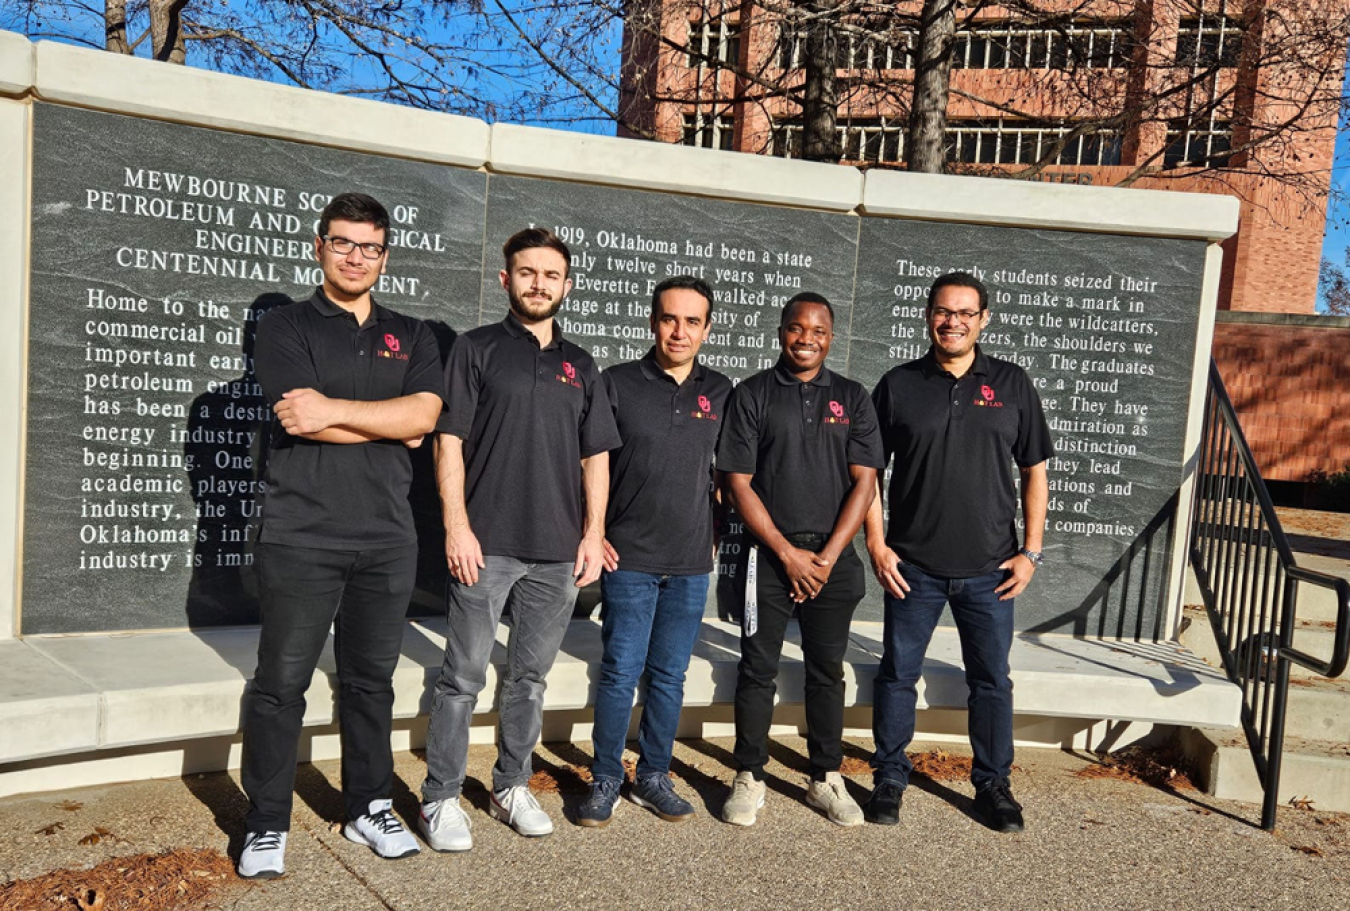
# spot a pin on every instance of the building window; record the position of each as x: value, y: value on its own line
x: 1028, y: 142
x: 1203, y: 143
x: 1209, y: 41
x: 708, y: 131
x: 713, y: 42
x: 1009, y: 46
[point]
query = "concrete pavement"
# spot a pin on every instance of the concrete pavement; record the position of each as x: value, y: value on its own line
x: 1091, y: 843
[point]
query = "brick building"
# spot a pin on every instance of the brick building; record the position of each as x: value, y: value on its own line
x: 1108, y: 92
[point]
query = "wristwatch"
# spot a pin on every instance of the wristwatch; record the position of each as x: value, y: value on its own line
x: 1035, y: 556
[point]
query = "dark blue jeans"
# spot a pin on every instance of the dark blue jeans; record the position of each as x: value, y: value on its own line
x: 364, y: 596
x: 651, y: 623
x: 985, y: 625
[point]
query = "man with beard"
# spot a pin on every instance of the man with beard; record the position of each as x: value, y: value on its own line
x: 521, y: 450
x: 956, y: 420
x: 353, y: 385
x: 800, y: 452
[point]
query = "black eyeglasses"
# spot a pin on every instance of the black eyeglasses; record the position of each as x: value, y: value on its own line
x: 342, y: 246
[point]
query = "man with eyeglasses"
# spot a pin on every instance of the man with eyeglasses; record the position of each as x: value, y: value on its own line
x: 353, y: 386
x: 955, y: 420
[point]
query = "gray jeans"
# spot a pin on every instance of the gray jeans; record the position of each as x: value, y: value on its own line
x: 540, y: 597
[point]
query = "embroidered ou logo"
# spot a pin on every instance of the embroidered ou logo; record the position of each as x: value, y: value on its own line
x: 703, y: 403
x: 987, y: 392
x: 837, y: 409
x: 569, y: 370
x: 391, y: 343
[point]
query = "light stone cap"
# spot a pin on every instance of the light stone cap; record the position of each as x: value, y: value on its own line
x: 1104, y: 210
x: 44, y: 709
x: 128, y: 85
x: 16, y: 64
x: 536, y: 152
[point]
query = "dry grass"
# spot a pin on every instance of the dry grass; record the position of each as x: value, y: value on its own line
x: 180, y: 880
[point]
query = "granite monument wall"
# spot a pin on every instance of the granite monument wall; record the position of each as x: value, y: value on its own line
x: 155, y: 245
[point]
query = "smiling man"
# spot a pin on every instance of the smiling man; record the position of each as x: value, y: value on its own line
x: 522, y: 461
x: 800, y: 454
x: 353, y: 385
x: 659, y: 537
x: 956, y: 420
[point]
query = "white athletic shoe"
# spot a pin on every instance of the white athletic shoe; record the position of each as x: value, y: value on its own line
x: 445, y: 826
x: 832, y: 796
x: 264, y: 855
x: 381, y: 831
x: 747, y: 797
x: 517, y: 808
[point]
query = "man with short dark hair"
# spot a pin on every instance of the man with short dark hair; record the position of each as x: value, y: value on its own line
x: 353, y: 385
x: 955, y: 420
x: 659, y: 547
x: 800, y: 453
x: 521, y: 452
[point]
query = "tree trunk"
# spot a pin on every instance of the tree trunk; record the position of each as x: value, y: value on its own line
x: 925, y: 147
x: 115, y: 27
x: 820, y: 106
x: 166, y: 30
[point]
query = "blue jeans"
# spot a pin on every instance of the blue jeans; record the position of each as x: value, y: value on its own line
x: 650, y: 625
x: 985, y: 625
x: 540, y: 598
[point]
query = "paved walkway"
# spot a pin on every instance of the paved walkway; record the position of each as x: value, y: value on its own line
x: 1090, y: 844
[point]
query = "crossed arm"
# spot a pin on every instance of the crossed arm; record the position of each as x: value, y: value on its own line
x: 314, y: 416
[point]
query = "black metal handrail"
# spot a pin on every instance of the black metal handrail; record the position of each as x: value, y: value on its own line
x: 1250, y: 579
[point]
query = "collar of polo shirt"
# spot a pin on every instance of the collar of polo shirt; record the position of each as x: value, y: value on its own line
x: 651, y: 368
x: 788, y: 378
x: 326, y: 307
x: 518, y: 330
x: 930, y: 366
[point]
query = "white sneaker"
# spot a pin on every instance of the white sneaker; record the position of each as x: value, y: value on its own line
x: 747, y: 797
x: 445, y: 826
x: 381, y: 831
x: 517, y: 808
x: 264, y: 855
x: 831, y: 795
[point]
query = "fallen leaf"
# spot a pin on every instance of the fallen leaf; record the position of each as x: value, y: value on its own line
x: 90, y: 900
x: 335, y: 828
x: 1301, y: 803
x: 91, y: 839
x: 1309, y: 849
x: 70, y: 806
x: 102, y: 831
x: 51, y: 829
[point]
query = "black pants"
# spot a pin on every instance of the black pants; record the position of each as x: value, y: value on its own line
x: 364, y: 595
x: 824, y: 622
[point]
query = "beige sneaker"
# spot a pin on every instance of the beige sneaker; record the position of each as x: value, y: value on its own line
x: 747, y: 796
x: 831, y: 796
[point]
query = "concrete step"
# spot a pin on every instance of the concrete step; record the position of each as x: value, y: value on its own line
x: 1317, y: 771
x: 1316, y: 604
x: 1319, y: 708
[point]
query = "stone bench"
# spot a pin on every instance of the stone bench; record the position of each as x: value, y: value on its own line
x: 91, y: 708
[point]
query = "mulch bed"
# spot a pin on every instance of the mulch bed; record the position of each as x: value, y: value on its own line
x: 939, y: 765
x: 180, y: 880
x: 1163, y: 768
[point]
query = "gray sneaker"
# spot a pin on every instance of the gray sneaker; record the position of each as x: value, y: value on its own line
x: 264, y: 855
x: 445, y: 826
x: 518, y: 808
x: 831, y: 795
x: 747, y: 796
x: 381, y: 831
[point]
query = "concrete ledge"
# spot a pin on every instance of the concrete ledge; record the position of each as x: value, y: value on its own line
x: 536, y: 152
x: 123, y: 691
x: 128, y: 85
x: 16, y: 64
x: 1105, y: 210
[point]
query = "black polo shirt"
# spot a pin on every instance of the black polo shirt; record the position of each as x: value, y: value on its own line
x: 340, y: 496
x: 798, y: 440
x: 952, y: 499
x: 527, y: 416
x: 660, y: 479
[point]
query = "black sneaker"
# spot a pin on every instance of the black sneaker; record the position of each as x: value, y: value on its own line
x: 600, y: 803
x: 883, y: 807
x: 656, y: 793
x: 995, y: 803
